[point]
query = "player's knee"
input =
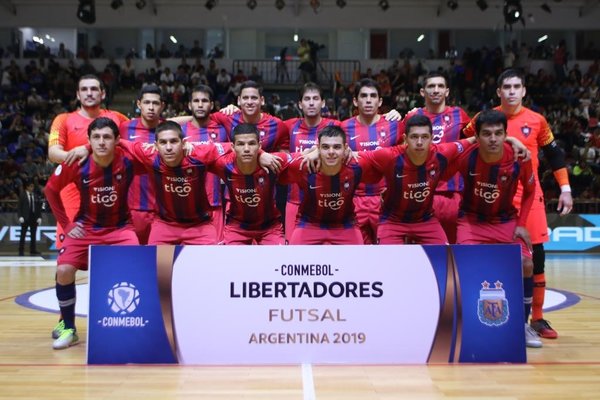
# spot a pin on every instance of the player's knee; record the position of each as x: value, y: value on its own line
x: 527, y: 267
x: 539, y: 259
x: 65, y: 274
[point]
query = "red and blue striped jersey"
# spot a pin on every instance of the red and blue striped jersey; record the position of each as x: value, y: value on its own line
x: 213, y: 133
x: 303, y: 137
x: 141, y: 192
x: 252, y: 197
x: 362, y: 137
x: 447, y: 127
x: 273, y: 132
x: 490, y: 187
x: 410, y: 187
x: 102, y: 192
x: 327, y: 201
x: 180, y: 191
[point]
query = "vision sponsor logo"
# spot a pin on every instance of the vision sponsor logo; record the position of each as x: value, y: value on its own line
x: 492, y: 306
x: 123, y: 299
x: 105, y: 195
x: 487, y: 191
x: 372, y: 143
x: 437, y: 134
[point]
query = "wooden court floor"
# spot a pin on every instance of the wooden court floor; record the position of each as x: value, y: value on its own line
x: 566, y: 368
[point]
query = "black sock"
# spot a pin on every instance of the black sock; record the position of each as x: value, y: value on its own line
x: 66, y: 300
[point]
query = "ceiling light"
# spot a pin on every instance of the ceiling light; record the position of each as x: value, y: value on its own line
x: 140, y: 4
x: 513, y: 11
x: 210, y: 4
x: 86, y: 11
x: 384, y: 4
x: 452, y: 4
x: 251, y: 4
x: 340, y: 3
x: 279, y: 4
x: 116, y: 4
x: 482, y: 4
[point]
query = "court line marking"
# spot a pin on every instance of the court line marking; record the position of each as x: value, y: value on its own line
x: 308, y: 384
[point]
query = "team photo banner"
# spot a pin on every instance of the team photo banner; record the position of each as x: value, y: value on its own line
x: 218, y: 305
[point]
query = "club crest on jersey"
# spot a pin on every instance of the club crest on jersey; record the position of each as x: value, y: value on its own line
x: 346, y: 186
x: 382, y: 134
x: 189, y: 171
x: 261, y: 181
x: 58, y: 170
x: 213, y: 135
x: 492, y: 306
x: 525, y: 130
x: 446, y: 118
x: 118, y: 177
x: 262, y: 133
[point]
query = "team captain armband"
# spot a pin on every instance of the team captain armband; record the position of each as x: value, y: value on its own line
x: 562, y: 177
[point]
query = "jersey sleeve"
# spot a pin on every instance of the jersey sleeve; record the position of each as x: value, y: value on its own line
x: 527, y: 178
x: 369, y: 173
x: 282, y: 142
x: 58, y: 131
x: 546, y: 136
x: 292, y: 173
x: 61, y: 177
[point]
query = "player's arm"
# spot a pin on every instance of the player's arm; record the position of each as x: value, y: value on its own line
x: 57, y: 181
x: 182, y: 119
x: 57, y: 139
x: 527, y: 178
x: 293, y: 171
x: 282, y: 141
x: 521, y: 151
x: 370, y: 174
x: 556, y: 158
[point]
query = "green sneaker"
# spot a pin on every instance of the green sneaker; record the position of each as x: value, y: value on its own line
x: 67, y: 338
x: 58, y: 329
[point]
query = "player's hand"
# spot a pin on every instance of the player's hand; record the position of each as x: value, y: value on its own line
x: 188, y: 148
x: 521, y: 232
x: 311, y: 159
x: 78, y: 153
x: 229, y: 110
x: 393, y: 115
x: 350, y: 156
x: 149, y: 146
x: 75, y: 230
x: 39, y: 221
x: 269, y: 162
x: 521, y: 151
x: 565, y: 203
x: 21, y: 220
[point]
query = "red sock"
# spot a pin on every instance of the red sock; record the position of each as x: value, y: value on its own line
x: 539, y: 291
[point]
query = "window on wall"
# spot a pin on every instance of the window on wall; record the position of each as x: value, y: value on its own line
x: 379, y: 44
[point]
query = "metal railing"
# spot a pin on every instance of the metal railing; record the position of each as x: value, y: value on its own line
x: 274, y: 72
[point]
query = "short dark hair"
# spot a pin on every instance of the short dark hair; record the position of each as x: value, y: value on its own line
x: 168, y: 126
x: 332, y: 131
x: 91, y: 76
x: 510, y: 73
x: 152, y: 89
x: 103, y: 122
x: 435, y: 74
x: 310, y: 86
x: 243, y: 129
x: 204, y: 89
x: 252, y: 85
x: 366, y: 82
x: 417, y: 120
x: 489, y: 117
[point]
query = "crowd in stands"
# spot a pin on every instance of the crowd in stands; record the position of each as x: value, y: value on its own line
x: 32, y: 95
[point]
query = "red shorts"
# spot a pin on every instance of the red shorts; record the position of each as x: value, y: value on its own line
x: 291, y: 212
x: 234, y: 235
x: 315, y: 235
x: 142, y: 222
x: 367, y: 209
x: 218, y: 221
x: 174, y: 233
x: 75, y: 251
x: 428, y: 232
x: 470, y: 231
x: 70, y: 200
x: 445, y: 206
x: 536, y: 224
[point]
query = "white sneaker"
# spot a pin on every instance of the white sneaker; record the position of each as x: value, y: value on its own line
x: 531, y: 337
x: 58, y: 329
x: 67, y: 338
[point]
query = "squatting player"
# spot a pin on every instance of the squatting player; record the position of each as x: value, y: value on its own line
x: 487, y: 214
x: 102, y: 182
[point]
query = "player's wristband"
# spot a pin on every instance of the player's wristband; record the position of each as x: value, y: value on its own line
x: 565, y: 188
x: 562, y: 176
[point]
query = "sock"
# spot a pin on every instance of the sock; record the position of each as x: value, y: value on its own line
x: 539, y: 292
x: 527, y: 296
x: 66, y: 301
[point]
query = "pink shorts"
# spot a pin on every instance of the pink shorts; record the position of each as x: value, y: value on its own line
x: 470, y: 231
x: 316, y: 235
x: 367, y: 209
x: 428, y: 232
x: 75, y: 251
x: 291, y: 211
x: 234, y: 235
x: 173, y: 233
x: 142, y: 222
x: 537, y: 223
x: 445, y: 206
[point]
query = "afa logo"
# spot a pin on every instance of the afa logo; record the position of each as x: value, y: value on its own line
x: 123, y: 298
x: 492, y: 306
